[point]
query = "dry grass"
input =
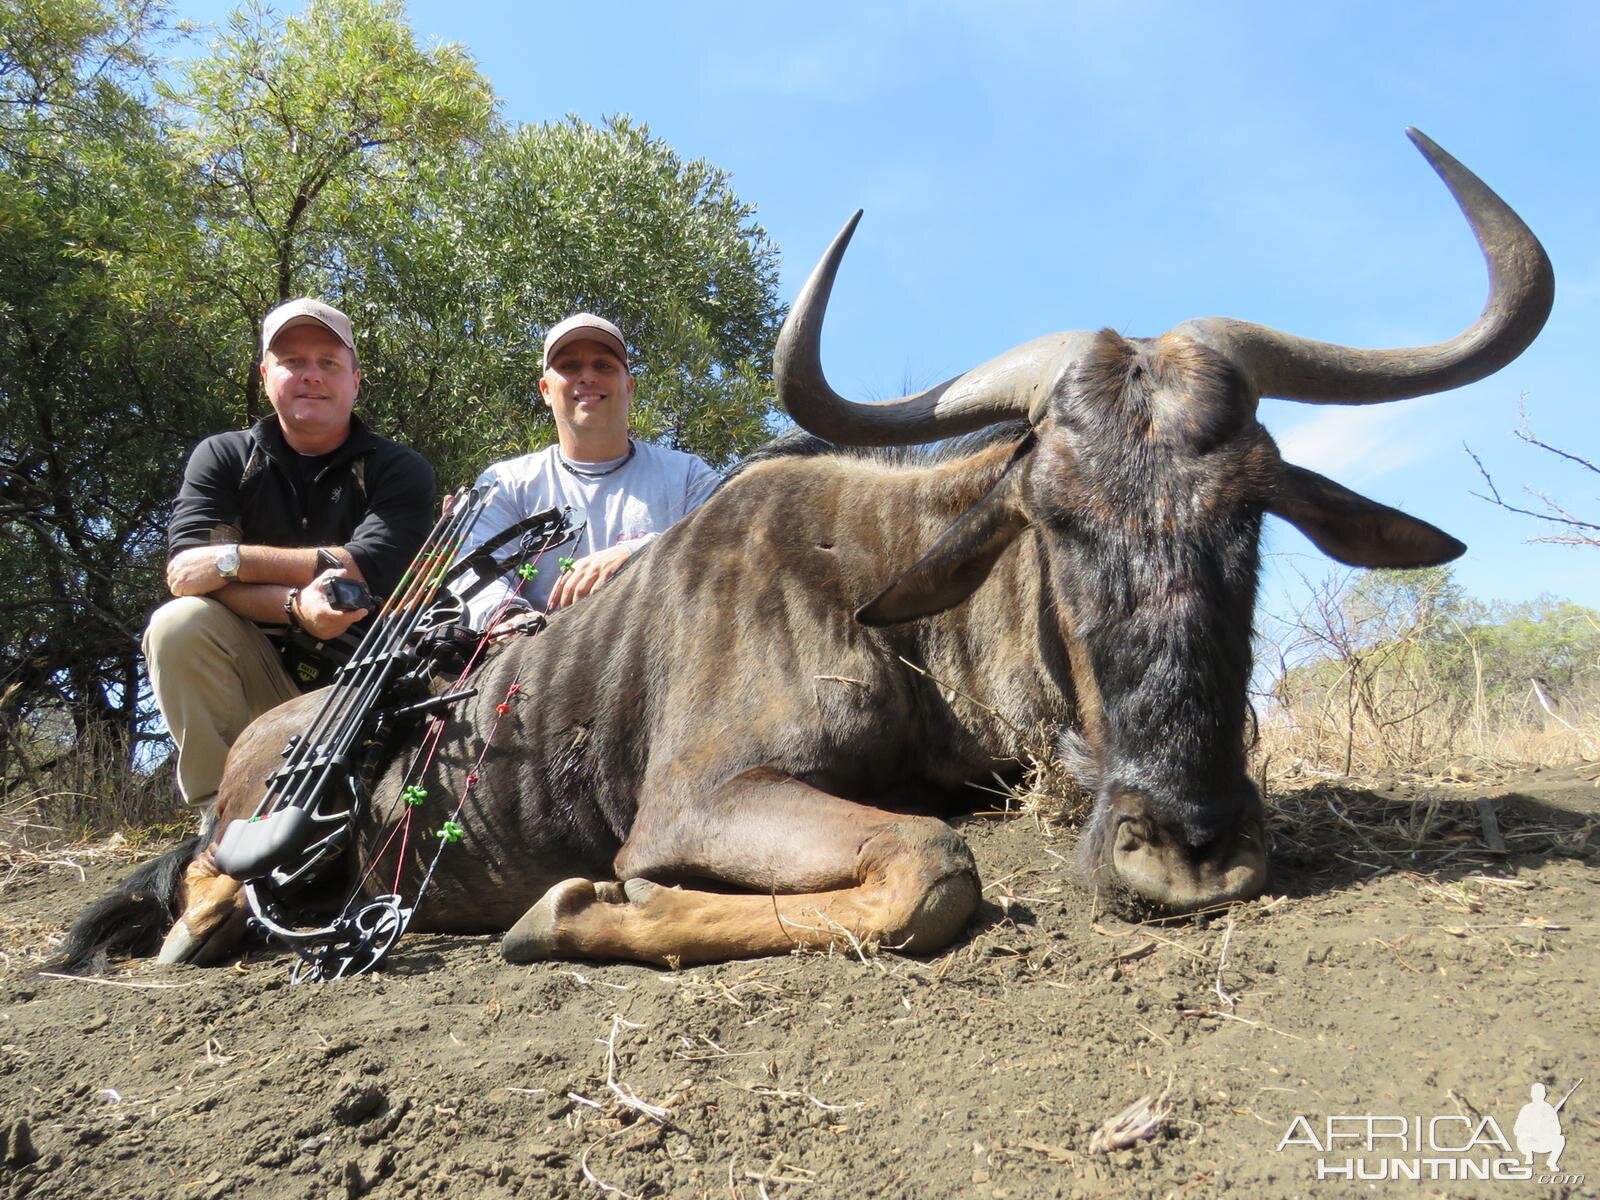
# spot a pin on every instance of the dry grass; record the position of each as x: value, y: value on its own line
x: 1049, y: 791
x: 56, y: 827
x: 89, y: 793
x: 1310, y: 741
x: 1144, y: 1118
x: 26, y: 940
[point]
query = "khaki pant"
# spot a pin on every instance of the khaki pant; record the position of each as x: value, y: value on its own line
x: 212, y: 672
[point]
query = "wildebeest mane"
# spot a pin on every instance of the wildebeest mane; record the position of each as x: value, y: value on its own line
x: 797, y: 443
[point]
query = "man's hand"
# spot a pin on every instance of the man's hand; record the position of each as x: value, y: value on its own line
x: 320, y: 619
x: 193, y: 572
x: 587, y: 574
x: 514, y: 622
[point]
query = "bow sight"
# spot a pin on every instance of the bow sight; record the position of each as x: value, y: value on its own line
x: 312, y: 802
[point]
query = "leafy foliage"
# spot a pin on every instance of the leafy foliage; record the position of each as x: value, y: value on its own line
x: 297, y: 130
x: 95, y: 212
x: 542, y: 221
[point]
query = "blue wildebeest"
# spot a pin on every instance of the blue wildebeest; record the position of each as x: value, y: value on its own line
x: 840, y: 641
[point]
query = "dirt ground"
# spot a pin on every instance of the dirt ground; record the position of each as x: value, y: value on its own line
x: 1426, y: 950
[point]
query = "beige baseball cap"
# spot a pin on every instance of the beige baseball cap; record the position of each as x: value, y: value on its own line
x: 581, y: 327
x: 306, y: 311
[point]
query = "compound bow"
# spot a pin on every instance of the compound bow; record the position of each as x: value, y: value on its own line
x: 312, y: 803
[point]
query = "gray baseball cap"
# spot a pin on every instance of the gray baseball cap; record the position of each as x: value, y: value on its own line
x: 306, y: 311
x: 581, y: 327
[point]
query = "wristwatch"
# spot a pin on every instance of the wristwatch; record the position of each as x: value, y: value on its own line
x: 228, y: 563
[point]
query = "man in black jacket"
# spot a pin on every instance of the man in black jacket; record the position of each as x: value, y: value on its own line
x: 264, y: 518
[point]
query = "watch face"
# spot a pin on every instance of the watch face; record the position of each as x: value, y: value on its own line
x: 228, y: 562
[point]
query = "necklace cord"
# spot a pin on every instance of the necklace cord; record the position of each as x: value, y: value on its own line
x: 572, y: 468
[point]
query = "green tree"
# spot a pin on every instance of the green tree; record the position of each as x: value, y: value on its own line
x: 300, y: 128
x: 339, y: 159
x: 1390, y: 668
x: 541, y: 221
x: 1499, y: 655
x: 96, y: 220
x: 1424, y: 603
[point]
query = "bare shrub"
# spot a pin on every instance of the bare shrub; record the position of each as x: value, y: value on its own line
x: 1389, y: 671
x: 1572, y: 530
x: 90, y: 790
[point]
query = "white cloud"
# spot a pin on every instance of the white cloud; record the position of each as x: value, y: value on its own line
x: 807, y: 72
x: 1358, y: 444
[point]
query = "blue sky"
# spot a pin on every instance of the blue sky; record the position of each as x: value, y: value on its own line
x: 1031, y: 167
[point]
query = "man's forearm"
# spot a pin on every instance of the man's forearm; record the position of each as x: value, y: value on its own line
x: 258, y: 602
x: 288, y: 567
x: 263, y: 603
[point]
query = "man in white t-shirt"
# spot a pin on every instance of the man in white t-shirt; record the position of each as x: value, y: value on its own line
x: 625, y: 492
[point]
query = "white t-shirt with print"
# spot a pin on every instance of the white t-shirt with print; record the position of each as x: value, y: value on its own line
x: 642, y: 497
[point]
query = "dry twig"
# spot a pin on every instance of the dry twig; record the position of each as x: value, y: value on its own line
x: 116, y: 983
x: 1145, y: 1117
x: 610, y: 1188
x: 625, y: 1095
x: 1222, y: 961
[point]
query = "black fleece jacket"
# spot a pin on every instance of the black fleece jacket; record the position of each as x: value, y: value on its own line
x: 374, y: 497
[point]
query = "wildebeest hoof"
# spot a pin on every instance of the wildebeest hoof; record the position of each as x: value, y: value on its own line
x: 205, y: 949
x: 213, y: 917
x: 180, y: 946
x: 640, y: 890
x: 535, y: 936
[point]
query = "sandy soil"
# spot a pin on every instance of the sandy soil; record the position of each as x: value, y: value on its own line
x: 1399, y: 966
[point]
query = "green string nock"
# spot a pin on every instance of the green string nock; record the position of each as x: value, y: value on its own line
x: 527, y: 571
x: 414, y: 794
x: 566, y: 563
x: 450, y: 831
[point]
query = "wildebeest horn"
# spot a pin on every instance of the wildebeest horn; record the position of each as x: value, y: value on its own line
x: 1001, y: 389
x: 1521, y: 290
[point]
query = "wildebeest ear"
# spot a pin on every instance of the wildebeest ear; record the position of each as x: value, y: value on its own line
x: 958, y: 562
x: 1355, y: 530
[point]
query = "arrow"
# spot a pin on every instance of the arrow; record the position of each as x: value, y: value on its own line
x: 1570, y: 1090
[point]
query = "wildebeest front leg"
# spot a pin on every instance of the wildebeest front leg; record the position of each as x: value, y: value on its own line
x: 825, y: 869
x: 212, y: 916
x: 211, y: 906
